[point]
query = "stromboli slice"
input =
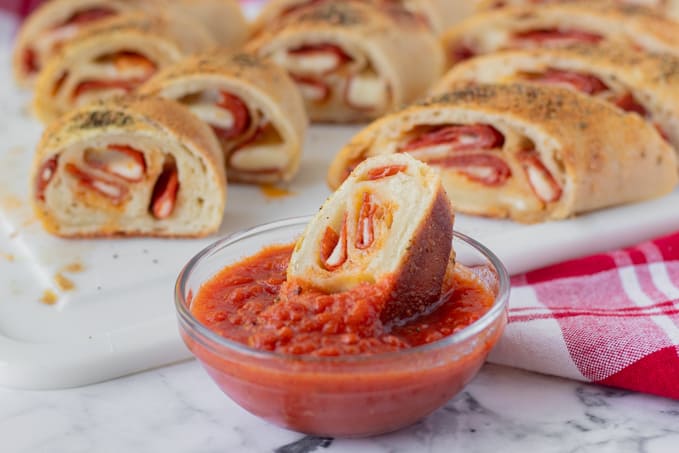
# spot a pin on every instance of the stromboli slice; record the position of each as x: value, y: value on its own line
x: 352, y: 61
x: 54, y: 23
x: 647, y: 84
x: 527, y: 152
x: 560, y: 24
x: 112, y: 58
x: 222, y: 19
x: 439, y: 14
x: 389, y: 222
x: 128, y: 167
x: 252, y: 105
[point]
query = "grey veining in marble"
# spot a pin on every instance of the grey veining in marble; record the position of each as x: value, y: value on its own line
x: 178, y: 409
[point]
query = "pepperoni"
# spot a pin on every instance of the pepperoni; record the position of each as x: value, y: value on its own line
x: 131, y: 167
x: 109, y: 189
x: 323, y: 48
x: 333, y: 252
x: 540, y: 178
x: 384, y: 172
x: 94, y: 85
x: 584, y: 83
x: 459, y: 138
x: 486, y: 169
x: 240, y: 113
x: 628, y: 103
x: 30, y: 61
x: 89, y: 15
x: 555, y: 36
x: 164, y: 195
x: 365, y: 225
x: 45, y: 175
x: 460, y: 53
x: 312, y: 89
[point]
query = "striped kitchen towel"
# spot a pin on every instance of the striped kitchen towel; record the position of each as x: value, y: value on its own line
x: 610, y: 319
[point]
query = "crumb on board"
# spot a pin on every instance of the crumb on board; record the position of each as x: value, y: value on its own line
x: 11, y: 202
x: 8, y: 256
x: 64, y: 284
x: 49, y: 297
x: 271, y: 191
x: 73, y: 268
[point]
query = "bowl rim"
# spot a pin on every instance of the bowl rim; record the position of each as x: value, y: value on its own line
x: 204, y: 333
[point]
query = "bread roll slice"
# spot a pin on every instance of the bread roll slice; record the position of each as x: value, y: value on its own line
x: 528, y: 152
x: 112, y: 58
x: 439, y: 14
x: 352, y: 60
x: 129, y: 167
x: 252, y: 105
x: 646, y: 84
x: 389, y: 223
x: 53, y: 24
x: 559, y: 24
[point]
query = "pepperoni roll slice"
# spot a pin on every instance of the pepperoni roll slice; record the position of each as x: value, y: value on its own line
x: 560, y: 24
x: 252, y: 105
x: 132, y: 167
x: 528, y: 152
x: 389, y: 223
x: 646, y: 84
x: 112, y: 58
x: 353, y: 61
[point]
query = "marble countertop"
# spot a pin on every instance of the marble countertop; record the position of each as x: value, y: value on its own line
x: 179, y: 409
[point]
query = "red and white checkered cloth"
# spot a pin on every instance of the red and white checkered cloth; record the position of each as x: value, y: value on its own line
x: 611, y: 319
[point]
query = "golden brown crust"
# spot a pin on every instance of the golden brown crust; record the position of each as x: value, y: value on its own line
x: 389, y: 43
x: 653, y: 79
x: 629, y: 24
x: 419, y: 283
x: 133, y: 115
x: 606, y: 156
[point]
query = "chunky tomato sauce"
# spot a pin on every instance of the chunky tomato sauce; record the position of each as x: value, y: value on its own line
x: 251, y: 302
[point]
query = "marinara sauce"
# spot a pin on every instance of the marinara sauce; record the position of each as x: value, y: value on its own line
x: 251, y: 302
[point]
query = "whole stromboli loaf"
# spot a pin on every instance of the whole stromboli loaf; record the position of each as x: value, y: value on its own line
x: 389, y: 223
x: 252, y: 105
x: 530, y: 153
x: 112, y: 58
x: 127, y: 167
x: 560, y: 24
x: 352, y: 60
x: 638, y: 82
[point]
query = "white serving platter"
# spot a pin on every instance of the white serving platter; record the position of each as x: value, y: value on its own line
x: 119, y: 317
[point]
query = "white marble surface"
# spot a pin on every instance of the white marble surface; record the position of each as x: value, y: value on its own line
x: 178, y: 409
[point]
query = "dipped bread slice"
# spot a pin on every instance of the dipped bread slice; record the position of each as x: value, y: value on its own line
x: 560, y: 24
x: 527, y: 152
x: 389, y: 221
x: 353, y: 61
x: 129, y: 167
x: 113, y: 58
x: 638, y: 82
x: 252, y: 105
x: 439, y: 14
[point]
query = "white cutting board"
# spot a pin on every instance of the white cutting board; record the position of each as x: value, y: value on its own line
x: 119, y: 317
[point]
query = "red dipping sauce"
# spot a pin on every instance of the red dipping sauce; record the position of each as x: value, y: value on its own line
x: 251, y: 303
x: 324, y: 364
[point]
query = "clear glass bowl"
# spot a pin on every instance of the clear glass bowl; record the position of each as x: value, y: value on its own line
x: 345, y: 395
